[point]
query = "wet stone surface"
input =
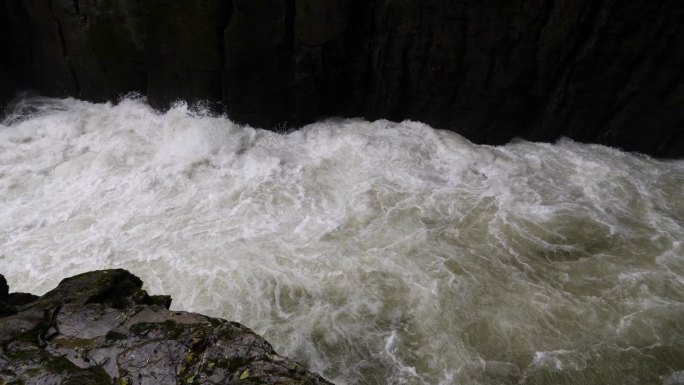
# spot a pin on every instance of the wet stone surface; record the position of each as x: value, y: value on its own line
x: 102, y: 328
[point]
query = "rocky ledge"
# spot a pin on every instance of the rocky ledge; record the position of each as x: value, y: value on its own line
x: 102, y: 328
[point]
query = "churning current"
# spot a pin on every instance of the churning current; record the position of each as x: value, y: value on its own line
x: 372, y: 252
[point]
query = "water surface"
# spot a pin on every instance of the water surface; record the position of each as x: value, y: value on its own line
x: 372, y: 252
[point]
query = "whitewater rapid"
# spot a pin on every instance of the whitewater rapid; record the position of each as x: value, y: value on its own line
x: 372, y: 252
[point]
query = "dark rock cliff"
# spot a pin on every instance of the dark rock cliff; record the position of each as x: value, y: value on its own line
x: 595, y: 70
x: 101, y: 328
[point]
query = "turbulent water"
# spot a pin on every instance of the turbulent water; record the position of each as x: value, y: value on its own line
x: 372, y: 252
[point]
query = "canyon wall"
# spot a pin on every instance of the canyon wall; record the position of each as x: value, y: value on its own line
x: 598, y: 71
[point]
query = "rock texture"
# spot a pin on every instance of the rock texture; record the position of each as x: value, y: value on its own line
x: 595, y: 70
x: 102, y: 328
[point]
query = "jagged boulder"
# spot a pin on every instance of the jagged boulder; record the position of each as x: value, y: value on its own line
x: 102, y: 328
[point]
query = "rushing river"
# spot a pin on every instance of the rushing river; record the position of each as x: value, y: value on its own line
x: 372, y: 252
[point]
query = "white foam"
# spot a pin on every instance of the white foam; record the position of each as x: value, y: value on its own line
x: 375, y: 252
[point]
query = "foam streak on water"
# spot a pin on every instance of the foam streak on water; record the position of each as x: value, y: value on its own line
x: 375, y: 253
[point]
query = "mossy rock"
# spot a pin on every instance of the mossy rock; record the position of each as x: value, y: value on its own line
x: 134, y: 340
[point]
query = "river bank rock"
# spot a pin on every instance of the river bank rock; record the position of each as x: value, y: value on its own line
x: 102, y: 328
x: 594, y: 70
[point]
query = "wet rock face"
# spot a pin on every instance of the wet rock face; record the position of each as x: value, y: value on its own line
x: 594, y: 70
x: 10, y: 301
x: 102, y: 328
